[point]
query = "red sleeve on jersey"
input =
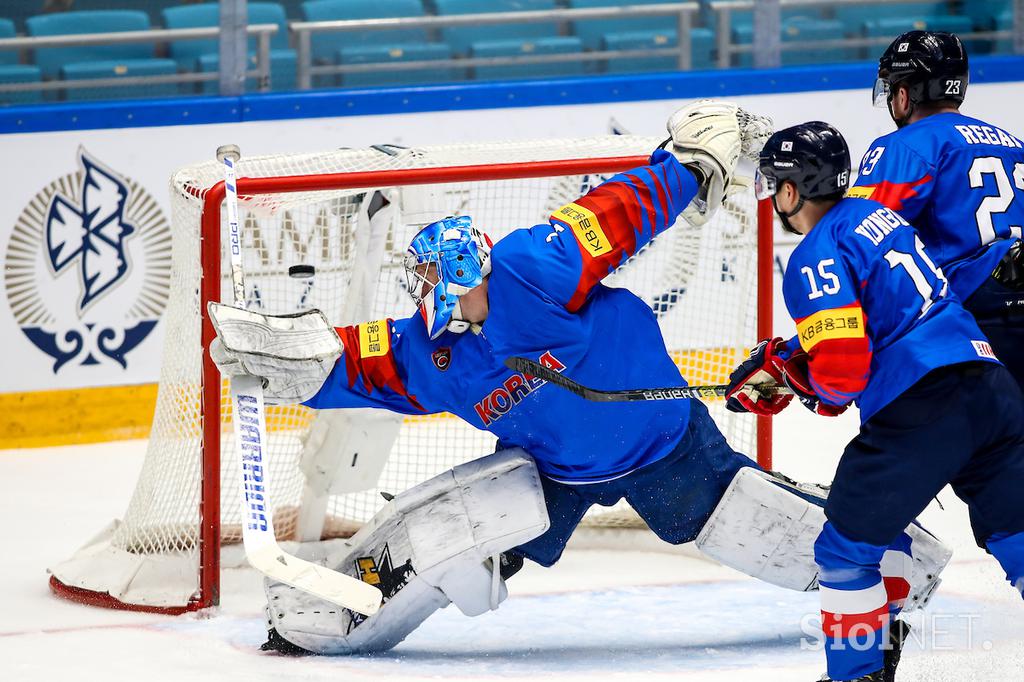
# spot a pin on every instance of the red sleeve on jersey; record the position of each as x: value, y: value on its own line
x: 614, y: 220
x: 891, y: 194
x: 838, y: 350
x: 372, y: 371
x: 839, y: 368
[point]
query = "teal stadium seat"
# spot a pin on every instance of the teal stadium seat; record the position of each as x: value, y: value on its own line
x: 702, y: 46
x: 890, y: 28
x: 636, y: 34
x: 19, y: 73
x: 203, y: 55
x: 525, y: 47
x: 859, y: 20
x: 7, y: 31
x: 117, y: 69
x: 368, y: 47
x: 989, y: 15
x: 504, y: 40
x: 401, y: 52
x: 50, y: 60
x: 136, y: 58
x: 795, y: 30
x: 13, y: 72
x: 461, y: 38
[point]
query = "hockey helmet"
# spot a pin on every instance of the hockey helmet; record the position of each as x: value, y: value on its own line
x: 813, y: 156
x: 932, y: 65
x: 445, y: 259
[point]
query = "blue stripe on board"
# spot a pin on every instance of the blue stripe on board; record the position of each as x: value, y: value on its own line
x: 463, y: 96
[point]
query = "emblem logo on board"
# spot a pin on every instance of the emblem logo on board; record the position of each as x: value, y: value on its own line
x: 87, y: 268
x: 442, y: 358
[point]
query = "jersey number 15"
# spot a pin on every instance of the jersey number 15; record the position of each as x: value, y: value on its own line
x: 1000, y: 203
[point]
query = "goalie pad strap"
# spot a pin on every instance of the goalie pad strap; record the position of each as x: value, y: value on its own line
x: 428, y: 547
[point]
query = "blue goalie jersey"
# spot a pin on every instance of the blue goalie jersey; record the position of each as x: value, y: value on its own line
x: 546, y: 303
x: 960, y: 182
x: 873, y: 310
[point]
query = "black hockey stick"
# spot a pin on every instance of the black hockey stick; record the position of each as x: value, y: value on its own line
x: 538, y: 370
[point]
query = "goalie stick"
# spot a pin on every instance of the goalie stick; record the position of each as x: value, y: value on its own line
x: 261, y: 548
x: 533, y: 368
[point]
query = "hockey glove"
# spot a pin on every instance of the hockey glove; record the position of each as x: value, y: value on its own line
x: 763, y: 367
x: 796, y: 376
x: 708, y: 137
x: 293, y: 354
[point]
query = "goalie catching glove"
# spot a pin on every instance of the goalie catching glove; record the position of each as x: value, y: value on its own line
x: 292, y: 354
x: 708, y: 137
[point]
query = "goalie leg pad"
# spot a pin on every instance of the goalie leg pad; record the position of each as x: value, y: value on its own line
x: 765, y: 526
x: 430, y: 546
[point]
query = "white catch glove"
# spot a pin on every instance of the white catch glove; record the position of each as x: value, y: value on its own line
x: 709, y: 136
x: 292, y: 354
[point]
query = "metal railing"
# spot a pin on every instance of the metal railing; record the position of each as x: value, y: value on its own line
x: 766, y: 47
x: 261, y: 71
x: 725, y: 48
x: 304, y: 30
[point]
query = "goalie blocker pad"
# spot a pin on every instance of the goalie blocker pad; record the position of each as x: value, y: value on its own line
x: 765, y: 526
x: 432, y: 545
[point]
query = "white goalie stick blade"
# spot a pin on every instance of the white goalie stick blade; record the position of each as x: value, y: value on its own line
x: 261, y: 548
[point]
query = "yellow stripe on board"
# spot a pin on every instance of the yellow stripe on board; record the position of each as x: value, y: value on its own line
x: 80, y: 415
x: 94, y: 415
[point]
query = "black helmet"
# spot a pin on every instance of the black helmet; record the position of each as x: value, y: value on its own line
x: 813, y: 156
x: 932, y: 65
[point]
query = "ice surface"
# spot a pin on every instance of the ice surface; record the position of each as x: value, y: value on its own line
x: 595, y: 615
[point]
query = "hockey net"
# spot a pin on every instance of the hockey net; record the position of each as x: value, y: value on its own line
x: 321, y: 210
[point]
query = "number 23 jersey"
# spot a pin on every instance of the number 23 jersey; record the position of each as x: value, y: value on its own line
x: 960, y: 182
x: 873, y: 310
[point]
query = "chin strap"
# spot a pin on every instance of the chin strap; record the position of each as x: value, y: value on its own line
x: 784, y: 217
x: 900, y: 122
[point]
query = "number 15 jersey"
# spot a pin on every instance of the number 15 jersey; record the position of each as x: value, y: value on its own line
x: 872, y: 309
x: 960, y: 182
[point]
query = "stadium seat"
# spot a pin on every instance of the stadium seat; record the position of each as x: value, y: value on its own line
x: 890, y: 28
x: 855, y: 17
x: 518, y: 46
x: 1002, y: 22
x: 7, y: 31
x: 593, y: 31
x: 50, y: 60
x: 795, y: 30
x: 702, y: 45
x: 117, y: 69
x: 20, y: 73
x: 325, y: 46
x: 461, y: 38
x: 202, y: 55
x: 394, y: 53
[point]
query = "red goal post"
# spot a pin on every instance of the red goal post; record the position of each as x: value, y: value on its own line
x: 271, y: 189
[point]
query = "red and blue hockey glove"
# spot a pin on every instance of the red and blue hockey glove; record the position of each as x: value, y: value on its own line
x: 762, y: 367
x: 795, y: 375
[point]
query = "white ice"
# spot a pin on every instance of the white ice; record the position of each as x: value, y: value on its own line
x: 598, y: 614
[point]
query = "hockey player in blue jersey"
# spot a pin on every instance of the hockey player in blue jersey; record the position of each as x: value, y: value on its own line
x: 878, y: 323
x: 958, y: 180
x: 537, y: 293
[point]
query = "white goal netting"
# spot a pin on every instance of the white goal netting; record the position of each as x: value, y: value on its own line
x: 700, y: 282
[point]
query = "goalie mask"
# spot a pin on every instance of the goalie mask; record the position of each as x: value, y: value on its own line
x: 446, y: 259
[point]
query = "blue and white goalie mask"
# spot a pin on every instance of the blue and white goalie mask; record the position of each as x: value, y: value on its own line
x: 445, y: 260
